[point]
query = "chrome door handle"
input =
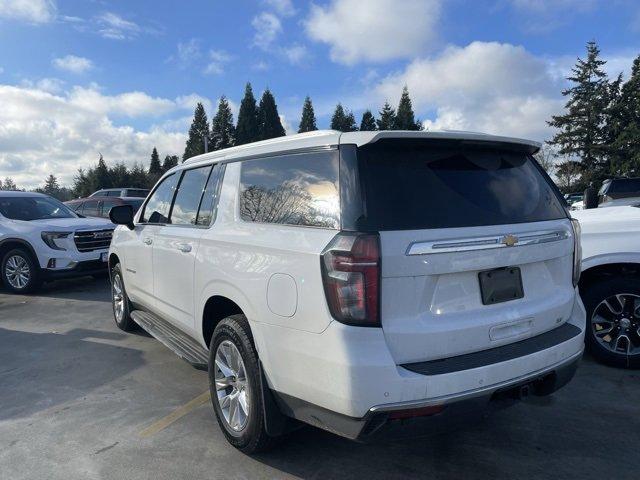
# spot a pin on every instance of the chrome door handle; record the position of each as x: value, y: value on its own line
x: 147, y: 240
x: 184, y: 247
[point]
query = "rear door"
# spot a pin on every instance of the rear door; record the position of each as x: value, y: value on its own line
x: 476, y: 248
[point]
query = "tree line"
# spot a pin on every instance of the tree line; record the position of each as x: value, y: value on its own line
x: 596, y: 136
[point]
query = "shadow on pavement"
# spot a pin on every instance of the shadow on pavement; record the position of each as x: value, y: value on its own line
x: 83, y: 288
x: 41, y: 370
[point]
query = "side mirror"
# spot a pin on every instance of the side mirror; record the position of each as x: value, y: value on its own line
x: 122, y: 215
x: 590, y: 198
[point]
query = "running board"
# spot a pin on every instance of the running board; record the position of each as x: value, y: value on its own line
x: 174, y: 339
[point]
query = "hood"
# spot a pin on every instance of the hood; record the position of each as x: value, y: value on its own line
x: 72, y: 223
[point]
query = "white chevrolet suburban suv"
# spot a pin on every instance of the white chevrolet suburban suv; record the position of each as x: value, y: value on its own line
x: 360, y: 282
x: 42, y: 239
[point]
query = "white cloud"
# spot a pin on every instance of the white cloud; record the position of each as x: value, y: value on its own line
x: 378, y: 31
x: 187, y: 53
x: 295, y: 54
x: 283, y: 8
x: 32, y: 11
x: 267, y: 27
x: 490, y: 87
x: 260, y: 66
x: 217, y: 61
x: 73, y: 64
x: 114, y: 27
x: 129, y: 104
x: 544, y: 16
x: 50, y: 85
x: 42, y: 133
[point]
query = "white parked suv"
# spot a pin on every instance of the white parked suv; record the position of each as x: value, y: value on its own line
x: 356, y: 281
x: 42, y: 239
x: 610, y: 283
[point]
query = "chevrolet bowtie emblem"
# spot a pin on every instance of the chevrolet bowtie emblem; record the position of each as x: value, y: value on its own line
x: 509, y: 240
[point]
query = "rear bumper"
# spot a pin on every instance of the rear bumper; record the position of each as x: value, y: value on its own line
x: 79, y: 269
x: 348, y: 373
x: 414, y: 418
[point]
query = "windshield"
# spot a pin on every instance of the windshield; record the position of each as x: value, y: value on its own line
x: 34, y: 208
x: 417, y: 185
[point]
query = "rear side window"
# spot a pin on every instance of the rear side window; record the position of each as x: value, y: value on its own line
x: 627, y: 185
x: 157, y: 208
x: 107, y: 205
x: 190, y: 190
x: 209, y: 204
x: 135, y: 192
x: 300, y: 189
x: 91, y: 209
x: 421, y: 185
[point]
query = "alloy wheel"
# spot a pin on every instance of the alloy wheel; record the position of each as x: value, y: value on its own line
x: 17, y: 271
x: 118, y: 297
x: 232, y: 388
x: 615, y: 323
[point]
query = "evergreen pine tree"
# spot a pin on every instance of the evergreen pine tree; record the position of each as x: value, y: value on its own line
x: 624, y: 123
x: 247, y: 128
x: 387, y: 117
x: 405, y: 118
x: 155, y: 169
x: 582, y: 133
x: 339, y: 118
x: 223, y: 133
x: 368, y: 122
x: 51, y: 186
x: 269, y: 125
x: 120, y: 175
x: 169, y: 162
x: 198, y: 131
x: 138, y: 177
x: 308, y: 119
x: 8, y: 184
x: 101, y: 176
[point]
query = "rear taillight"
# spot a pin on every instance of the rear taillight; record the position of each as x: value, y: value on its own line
x: 351, y: 277
x: 577, y: 251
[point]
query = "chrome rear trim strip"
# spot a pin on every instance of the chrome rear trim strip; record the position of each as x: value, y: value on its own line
x: 485, y: 243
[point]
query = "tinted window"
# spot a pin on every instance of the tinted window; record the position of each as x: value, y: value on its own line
x: 90, y: 208
x: 107, y: 205
x: 293, y: 189
x: 112, y: 193
x: 208, y: 206
x: 157, y: 208
x: 134, y: 192
x: 33, y: 208
x: 134, y: 203
x: 417, y: 185
x: 627, y: 185
x: 185, y: 206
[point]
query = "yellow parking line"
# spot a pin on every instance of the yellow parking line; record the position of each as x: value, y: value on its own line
x: 177, y: 414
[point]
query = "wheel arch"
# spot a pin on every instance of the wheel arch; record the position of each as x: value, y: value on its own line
x: 216, y: 309
x: 602, y: 270
x: 8, y: 244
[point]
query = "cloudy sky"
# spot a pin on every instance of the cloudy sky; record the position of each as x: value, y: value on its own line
x: 79, y: 77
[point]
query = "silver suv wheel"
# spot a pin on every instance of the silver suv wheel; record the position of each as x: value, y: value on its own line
x: 118, y: 297
x: 232, y: 388
x: 17, y: 271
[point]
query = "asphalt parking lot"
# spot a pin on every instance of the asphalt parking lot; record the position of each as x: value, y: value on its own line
x: 81, y: 399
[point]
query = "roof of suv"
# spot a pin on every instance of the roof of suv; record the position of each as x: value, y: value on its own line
x: 323, y: 138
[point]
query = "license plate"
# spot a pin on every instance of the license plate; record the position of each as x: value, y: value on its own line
x: 500, y: 285
x: 104, y: 256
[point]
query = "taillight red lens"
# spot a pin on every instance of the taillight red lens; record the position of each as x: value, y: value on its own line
x: 351, y: 276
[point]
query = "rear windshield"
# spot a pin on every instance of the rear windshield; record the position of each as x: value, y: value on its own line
x: 135, y: 192
x: 413, y: 185
x: 624, y: 185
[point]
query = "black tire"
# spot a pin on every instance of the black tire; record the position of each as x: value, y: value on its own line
x: 123, y: 320
x: 35, y: 276
x: 253, y: 437
x: 593, y: 294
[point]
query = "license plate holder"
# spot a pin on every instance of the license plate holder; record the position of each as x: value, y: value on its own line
x: 500, y: 285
